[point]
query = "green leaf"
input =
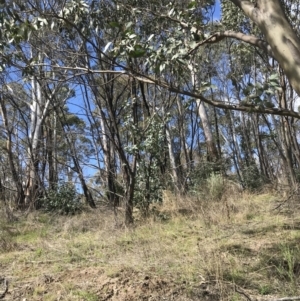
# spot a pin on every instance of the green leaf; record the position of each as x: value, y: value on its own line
x: 193, y: 44
x: 43, y: 20
x: 107, y: 46
x: 150, y: 38
x: 138, y: 51
x: 274, y: 77
x: 132, y: 36
x: 162, y: 67
x: 171, y: 12
x: 206, y: 86
x: 192, y: 5
x: 114, y: 24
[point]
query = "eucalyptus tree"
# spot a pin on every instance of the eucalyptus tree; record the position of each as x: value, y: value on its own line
x: 118, y: 47
x: 29, y: 52
x: 13, y: 126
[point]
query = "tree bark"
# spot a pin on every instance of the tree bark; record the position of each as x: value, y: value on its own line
x: 283, y: 40
x: 212, y: 152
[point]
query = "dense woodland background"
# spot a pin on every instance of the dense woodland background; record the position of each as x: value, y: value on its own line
x: 117, y: 101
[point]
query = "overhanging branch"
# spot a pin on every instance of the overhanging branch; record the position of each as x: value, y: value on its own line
x: 218, y: 104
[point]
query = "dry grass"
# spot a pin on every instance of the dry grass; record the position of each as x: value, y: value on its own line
x: 190, y: 248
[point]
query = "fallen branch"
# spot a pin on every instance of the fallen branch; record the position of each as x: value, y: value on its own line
x: 286, y: 299
x: 242, y: 293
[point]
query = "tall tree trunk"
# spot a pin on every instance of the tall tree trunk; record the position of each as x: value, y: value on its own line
x: 286, y: 133
x: 109, y: 162
x: 39, y: 109
x: 235, y: 146
x: 181, y: 124
x: 129, y: 193
x: 77, y: 168
x: 259, y: 147
x: 172, y: 158
x: 51, y: 151
x: 20, y: 198
x: 212, y: 152
x: 36, y: 122
x: 213, y: 155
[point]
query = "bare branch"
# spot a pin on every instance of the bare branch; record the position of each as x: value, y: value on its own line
x: 250, y: 39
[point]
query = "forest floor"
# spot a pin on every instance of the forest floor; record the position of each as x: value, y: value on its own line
x: 245, y: 247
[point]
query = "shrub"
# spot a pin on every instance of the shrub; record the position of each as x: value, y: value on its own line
x: 63, y: 199
x: 216, y: 186
x: 253, y: 181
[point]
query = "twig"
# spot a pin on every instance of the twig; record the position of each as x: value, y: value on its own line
x: 242, y: 293
x: 288, y: 198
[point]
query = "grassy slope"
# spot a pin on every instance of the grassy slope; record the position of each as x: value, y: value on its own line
x: 186, y: 251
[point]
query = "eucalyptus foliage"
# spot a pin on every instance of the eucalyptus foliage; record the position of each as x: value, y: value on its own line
x: 62, y: 199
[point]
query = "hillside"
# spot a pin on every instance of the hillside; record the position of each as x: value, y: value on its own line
x: 245, y: 248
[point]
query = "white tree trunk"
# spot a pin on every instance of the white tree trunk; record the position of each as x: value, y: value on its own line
x: 172, y: 157
x: 39, y: 110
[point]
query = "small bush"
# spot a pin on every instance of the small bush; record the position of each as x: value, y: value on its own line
x: 253, y: 181
x: 63, y: 199
x: 216, y: 186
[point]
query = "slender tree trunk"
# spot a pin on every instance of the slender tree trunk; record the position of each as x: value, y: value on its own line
x: 52, y: 151
x: 235, y: 146
x: 295, y: 142
x: 285, y: 133
x: 20, y: 199
x: 77, y: 168
x: 259, y: 146
x: 212, y: 152
x: 182, y: 130
x: 109, y: 164
x: 172, y: 158
x: 247, y: 149
x: 181, y: 124
x: 129, y: 193
x: 39, y: 110
x: 217, y: 133
x: 34, y: 136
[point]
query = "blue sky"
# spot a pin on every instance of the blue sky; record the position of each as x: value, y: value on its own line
x: 217, y: 13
